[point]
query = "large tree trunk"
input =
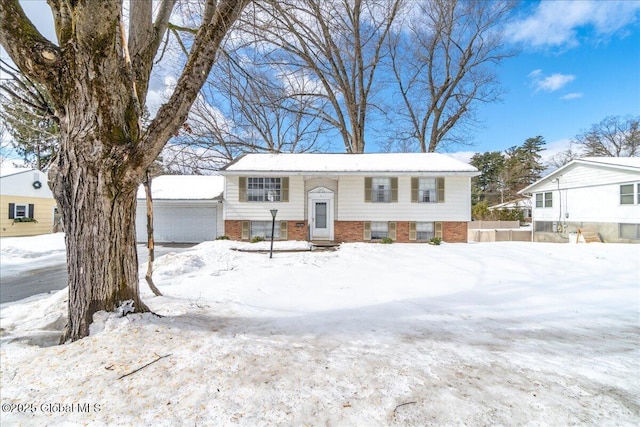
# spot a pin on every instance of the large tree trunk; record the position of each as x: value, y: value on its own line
x: 102, y: 260
x: 98, y: 212
x: 94, y: 180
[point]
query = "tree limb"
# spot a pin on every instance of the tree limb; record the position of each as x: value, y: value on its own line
x: 18, y: 35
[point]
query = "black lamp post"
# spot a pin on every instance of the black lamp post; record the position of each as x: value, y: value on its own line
x: 274, y: 212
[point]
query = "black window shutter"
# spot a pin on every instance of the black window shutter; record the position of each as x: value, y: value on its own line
x: 31, y: 210
x: 12, y: 210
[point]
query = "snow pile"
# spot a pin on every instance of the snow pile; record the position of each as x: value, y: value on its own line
x: 35, y: 251
x: 494, y: 333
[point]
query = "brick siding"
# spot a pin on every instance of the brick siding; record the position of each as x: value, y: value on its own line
x: 454, y: 232
x: 352, y: 231
x: 233, y: 229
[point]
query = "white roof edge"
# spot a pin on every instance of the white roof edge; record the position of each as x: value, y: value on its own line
x: 18, y: 171
x: 350, y: 173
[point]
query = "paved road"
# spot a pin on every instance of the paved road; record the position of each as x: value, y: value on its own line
x: 54, y: 278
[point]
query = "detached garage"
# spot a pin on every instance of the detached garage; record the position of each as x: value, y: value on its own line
x: 186, y: 209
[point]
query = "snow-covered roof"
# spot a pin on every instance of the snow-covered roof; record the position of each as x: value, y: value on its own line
x: 349, y: 164
x: 185, y: 187
x: 620, y: 163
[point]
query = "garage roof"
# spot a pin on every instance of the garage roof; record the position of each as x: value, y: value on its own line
x: 185, y: 187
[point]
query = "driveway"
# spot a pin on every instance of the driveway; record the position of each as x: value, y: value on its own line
x: 54, y: 277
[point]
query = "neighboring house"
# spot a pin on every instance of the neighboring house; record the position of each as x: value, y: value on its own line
x: 348, y: 197
x: 27, y: 206
x: 599, y: 193
x: 186, y: 209
x: 523, y: 204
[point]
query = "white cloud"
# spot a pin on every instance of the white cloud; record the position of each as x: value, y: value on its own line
x: 555, y: 81
x: 572, y: 95
x: 550, y: 83
x: 556, y: 23
x: 535, y: 73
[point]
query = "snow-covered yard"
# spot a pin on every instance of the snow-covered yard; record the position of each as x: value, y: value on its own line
x: 401, y: 334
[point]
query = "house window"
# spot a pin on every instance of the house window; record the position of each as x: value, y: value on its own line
x: 626, y: 194
x: 263, y: 229
x: 379, y: 230
x: 424, y: 231
x: 20, y: 211
x: 544, y: 200
x: 264, y: 189
x: 629, y: 231
x: 544, y: 227
x: 381, y: 190
x: 427, y: 190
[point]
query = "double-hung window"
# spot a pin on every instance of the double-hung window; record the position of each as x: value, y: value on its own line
x: 627, y: 194
x: 20, y: 211
x: 379, y: 230
x: 263, y: 229
x: 427, y: 190
x: 544, y: 200
x: 424, y: 231
x: 629, y: 231
x: 381, y: 189
x: 264, y: 189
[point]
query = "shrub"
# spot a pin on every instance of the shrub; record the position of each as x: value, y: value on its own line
x: 386, y: 240
x: 435, y: 241
x: 222, y: 238
x: 257, y: 239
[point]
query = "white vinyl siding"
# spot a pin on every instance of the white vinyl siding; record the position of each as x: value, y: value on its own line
x: 352, y: 207
x: 294, y: 209
x: 596, y: 203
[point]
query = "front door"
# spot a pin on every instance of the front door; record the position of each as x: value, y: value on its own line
x: 321, y: 214
x: 320, y: 229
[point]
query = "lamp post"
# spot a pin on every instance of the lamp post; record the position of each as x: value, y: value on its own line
x: 274, y: 212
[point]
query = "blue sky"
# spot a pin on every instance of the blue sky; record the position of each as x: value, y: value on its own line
x: 578, y: 62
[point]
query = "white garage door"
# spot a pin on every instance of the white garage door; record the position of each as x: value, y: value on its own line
x: 178, y: 221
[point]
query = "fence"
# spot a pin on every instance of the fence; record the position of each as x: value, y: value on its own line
x: 497, y: 231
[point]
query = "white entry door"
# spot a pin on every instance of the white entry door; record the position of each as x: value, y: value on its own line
x: 321, y: 214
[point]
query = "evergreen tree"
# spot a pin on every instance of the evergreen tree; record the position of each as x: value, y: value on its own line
x: 486, y: 187
x: 529, y: 155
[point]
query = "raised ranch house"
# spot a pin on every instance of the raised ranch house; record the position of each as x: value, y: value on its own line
x: 186, y: 209
x: 348, y: 197
x: 596, y: 193
x: 27, y: 206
